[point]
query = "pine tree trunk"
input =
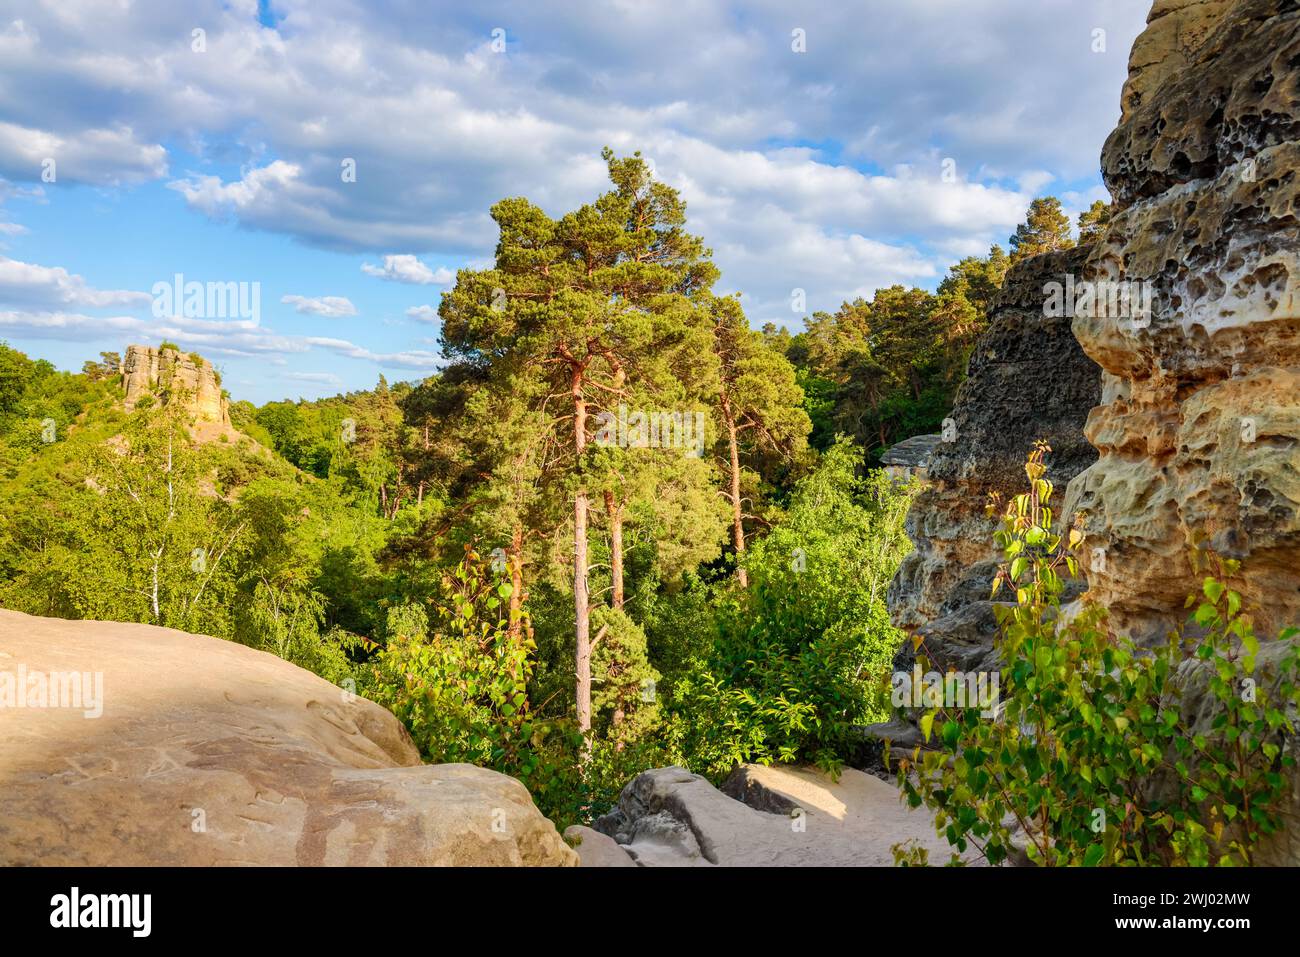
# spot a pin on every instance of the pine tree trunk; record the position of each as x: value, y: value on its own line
x: 581, y: 603
x: 516, y: 559
x: 737, y: 521
x: 615, y: 514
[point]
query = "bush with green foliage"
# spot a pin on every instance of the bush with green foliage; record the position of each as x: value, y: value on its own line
x: 457, y: 677
x: 802, y: 656
x: 1093, y: 756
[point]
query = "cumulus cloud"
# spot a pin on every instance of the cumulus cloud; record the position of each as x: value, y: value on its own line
x: 423, y: 313
x: 100, y: 157
x: 821, y: 170
x: 54, y: 286
x: 408, y: 268
x: 331, y: 307
x: 72, y: 326
x: 439, y: 126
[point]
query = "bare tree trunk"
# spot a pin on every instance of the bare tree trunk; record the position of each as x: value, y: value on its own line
x: 615, y: 514
x: 516, y: 559
x: 737, y: 522
x: 581, y: 602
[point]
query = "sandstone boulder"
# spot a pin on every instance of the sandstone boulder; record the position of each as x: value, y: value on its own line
x: 205, y: 752
x: 596, y: 849
x: 789, y: 817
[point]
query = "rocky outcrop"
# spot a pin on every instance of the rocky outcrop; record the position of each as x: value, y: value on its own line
x: 1175, y: 31
x: 1199, y: 424
x: 785, y: 816
x: 1196, y: 424
x: 171, y: 376
x: 1027, y: 380
x: 187, y: 750
x: 910, y: 458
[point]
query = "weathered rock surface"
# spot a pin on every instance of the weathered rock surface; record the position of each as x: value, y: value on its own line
x: 172, y: 376
x: 669, y: 817
x: 211, y: 753
x: 1199, y: 425
x: 910, y: 458
x: 1196, y: 427
x: 596, y: 849
x: 1027, y: 379
x: 1210, y: 84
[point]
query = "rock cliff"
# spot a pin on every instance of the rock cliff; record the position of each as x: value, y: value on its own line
x: 181, y: 749
x: 170, y: 375
x: 1198, y: 427
x: 1192, y: 405
x: 1027, y: 380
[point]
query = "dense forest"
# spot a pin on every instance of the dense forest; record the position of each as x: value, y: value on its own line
x: 618, y: 529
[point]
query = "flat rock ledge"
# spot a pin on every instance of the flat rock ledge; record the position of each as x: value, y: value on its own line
x: 767, y: 817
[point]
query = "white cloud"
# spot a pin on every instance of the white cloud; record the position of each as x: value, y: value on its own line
x: 408, y: 268
x: 68, y: 325
x: 415, y: 359
x: 423, y: 313
x: 8, y: 190
x: 819, y: 170
x: 322, y: 378
x: 54, y: 286
x: 331, y: 307
x: 101, y: 157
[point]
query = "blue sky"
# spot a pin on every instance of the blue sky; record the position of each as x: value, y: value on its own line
x: 219, y: 154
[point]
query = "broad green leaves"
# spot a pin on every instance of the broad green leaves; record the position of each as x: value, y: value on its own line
x: 1095, y: 758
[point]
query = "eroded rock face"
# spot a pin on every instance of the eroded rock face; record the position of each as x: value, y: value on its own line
x: 174, y: 376
x: 1199, y: 425
x: 210, y: 753
x: 1027, y: 379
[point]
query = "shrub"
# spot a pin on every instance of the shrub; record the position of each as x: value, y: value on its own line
x: 1094, y: 756
x: 802, y: 656
x: 459, y: 684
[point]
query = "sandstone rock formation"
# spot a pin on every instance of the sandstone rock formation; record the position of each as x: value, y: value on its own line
x: 1199, y: 423
x: 910, y: 458
x: 1196, y: 425
x: 170, y: 375
x: 210, y: 753
x: 780, y: 816
x: 1028, y: 379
